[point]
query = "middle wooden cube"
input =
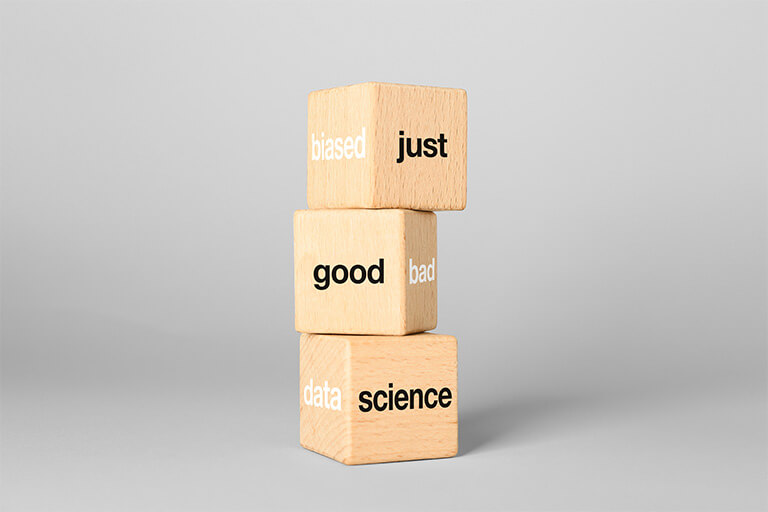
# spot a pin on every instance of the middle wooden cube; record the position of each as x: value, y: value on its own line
x: 365, y: 271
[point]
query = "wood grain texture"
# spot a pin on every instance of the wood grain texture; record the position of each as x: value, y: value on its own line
x: 364, y: 237
x: 340, y: 112
x: 326, y: 431
x: 378, y: 181
x: 370, y: 363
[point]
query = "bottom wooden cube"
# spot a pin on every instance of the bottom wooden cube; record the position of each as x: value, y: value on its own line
x: 366, y: 399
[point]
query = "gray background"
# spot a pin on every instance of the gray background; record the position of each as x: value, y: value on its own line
x: 607, y: 282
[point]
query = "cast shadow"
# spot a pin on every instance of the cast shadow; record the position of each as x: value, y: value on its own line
x: 524, y: 419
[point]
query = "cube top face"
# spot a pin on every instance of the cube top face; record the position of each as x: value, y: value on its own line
x: 377, y: 145
x: 365, y: 271
x: 367, y: 399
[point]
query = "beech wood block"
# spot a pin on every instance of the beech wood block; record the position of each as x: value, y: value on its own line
x: 366, y: 399
x: 365, y: 271
x: 377, y: 145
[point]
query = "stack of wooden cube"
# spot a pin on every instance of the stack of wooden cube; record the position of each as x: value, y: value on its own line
x: 381, y: 158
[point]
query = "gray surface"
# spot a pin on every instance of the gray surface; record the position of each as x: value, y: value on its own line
x: 606, y: 283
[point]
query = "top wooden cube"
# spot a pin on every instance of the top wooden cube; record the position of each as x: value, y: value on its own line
x: 377, y: 145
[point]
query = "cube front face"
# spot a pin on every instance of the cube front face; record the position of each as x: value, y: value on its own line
x: 373, y: 398
x: 365, y: 271
x: 377, y: 145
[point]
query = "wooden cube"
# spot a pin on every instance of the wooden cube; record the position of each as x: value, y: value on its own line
x: 368, y: 399
x: 376, y: 145
x: 365, y: 271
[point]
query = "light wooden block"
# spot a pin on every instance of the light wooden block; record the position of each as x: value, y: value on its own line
x: 365, y: 271
x: 354, y: 147
x: 341, y: 421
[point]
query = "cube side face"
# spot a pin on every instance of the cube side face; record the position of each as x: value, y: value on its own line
x: 421, y: 266
x: 349, y: 271
x: 420, y: 148
x: 340, y: 147
x: 324, y: 403
x: 422, y: 369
